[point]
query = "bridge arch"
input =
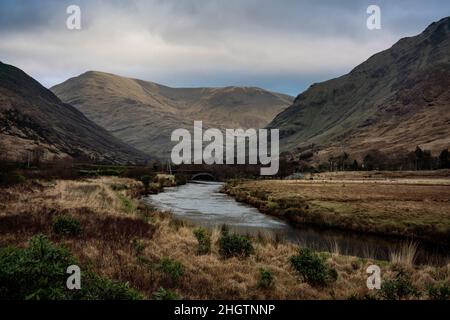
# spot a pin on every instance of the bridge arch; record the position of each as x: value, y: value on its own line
x: 203, y: 176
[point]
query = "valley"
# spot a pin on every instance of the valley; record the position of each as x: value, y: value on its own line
x: 144, y: 114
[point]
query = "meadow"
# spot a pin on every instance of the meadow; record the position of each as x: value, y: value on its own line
x: 414, y: 205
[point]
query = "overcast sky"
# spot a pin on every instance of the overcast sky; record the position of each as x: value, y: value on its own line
x: 281, y: 45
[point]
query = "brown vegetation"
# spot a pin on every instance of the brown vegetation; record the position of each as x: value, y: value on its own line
x: 129, y: 242
x: 415, y: 207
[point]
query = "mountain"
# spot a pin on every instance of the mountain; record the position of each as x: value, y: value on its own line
x: 144, y: 114
x: 33, y: 117
x: 396, y: 100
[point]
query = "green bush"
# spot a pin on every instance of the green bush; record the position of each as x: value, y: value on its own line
x: 204, y: 241
x: 172, y: 268
x: 163, y: 294
x: 66, y: 225
x: 234, y: 245
x: 95, y: 287
x: 439, y: 291
x: 265, y: 278
x: 38, y: 272
x: 313, y: 268
x: 398, y: 288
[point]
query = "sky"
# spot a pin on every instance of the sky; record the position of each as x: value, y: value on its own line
x: 280, y: 45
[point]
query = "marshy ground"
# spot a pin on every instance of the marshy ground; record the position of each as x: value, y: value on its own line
x: 404, y: 204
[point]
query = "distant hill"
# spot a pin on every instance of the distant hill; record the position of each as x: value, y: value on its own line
x: 396, y: 100
x: 144, y: 114
x: 33, y: 117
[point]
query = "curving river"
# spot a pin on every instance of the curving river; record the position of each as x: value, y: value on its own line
x: 202, y: 203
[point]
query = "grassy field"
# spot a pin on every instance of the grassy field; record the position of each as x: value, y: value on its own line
x: 406, y: 204
x: 128, y: 242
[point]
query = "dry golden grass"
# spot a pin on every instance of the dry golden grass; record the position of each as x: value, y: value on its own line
x: 406, y: 255
x: 128, y: 246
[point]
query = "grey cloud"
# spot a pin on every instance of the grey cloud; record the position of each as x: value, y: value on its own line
x: 277, y: 44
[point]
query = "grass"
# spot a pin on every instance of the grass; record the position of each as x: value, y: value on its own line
x: 128, y: 204
x: 410, y: 207
x: 406, y: 255
x: 130, y: 246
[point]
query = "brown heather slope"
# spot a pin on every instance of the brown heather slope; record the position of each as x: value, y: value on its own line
x: 394, y: 101
x: 144, y: 114
x: 32, y: 116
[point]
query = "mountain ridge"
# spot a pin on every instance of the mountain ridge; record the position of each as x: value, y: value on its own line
x: 144, y: 113
x: 31, y: 116
x: 376, y: 104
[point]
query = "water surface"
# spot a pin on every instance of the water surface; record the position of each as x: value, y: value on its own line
x: 202, y: 203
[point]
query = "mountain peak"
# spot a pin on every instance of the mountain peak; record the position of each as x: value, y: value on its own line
x: 144, y: 114
x: 32, y: 116
x: 394, y: 101
x: 442, y: 25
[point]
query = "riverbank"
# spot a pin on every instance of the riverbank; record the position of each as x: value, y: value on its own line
x: 409, y: 207
x: 128, y: 242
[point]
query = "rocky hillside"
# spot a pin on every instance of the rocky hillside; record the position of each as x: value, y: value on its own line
x: 396, y: 100
x: 144, y: 114
x: 32, y: 117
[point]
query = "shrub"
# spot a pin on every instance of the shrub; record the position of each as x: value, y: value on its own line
x: 139, y: 246
x: 172, y: 268
x: 313, y: 268
x: 234, y: 245
x: 66, y: 225
x: 146, y: 181
x: 398, y: 288
x: 11, y: 178
x: 95, y: 287
x: 163, y: 294
x: 154, y: 188
x: 272, y: 206
x: 439, y: 291
x: 39, y: 272
x: 110, y: 172
x: 265, y: 278
x: 88, y: 173
x: 180, y: 179
x: 204, y: 241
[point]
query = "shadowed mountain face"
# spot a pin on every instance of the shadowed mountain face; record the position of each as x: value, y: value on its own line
x: 33, y: 117
x: 144, y: 114
x: 396, y: 100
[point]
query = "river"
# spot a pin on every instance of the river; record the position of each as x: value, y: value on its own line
x: 202, y: 203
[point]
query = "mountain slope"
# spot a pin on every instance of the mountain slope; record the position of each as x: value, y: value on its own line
x: 396, y: 100
x: 32, y: 116
x: 144, y: 114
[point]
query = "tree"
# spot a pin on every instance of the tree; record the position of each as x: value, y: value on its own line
x: 419, y: 158
x: 37, y: 155
x: 444, y: 159
x: 3, y: 151
x: 355, y: 165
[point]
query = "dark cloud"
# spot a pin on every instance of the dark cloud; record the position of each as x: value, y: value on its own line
x: 280, y: 45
